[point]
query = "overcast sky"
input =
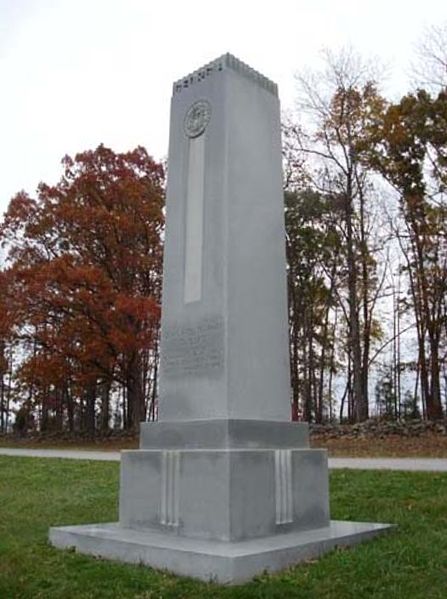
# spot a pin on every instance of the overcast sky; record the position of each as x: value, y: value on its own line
x: 77, y: 73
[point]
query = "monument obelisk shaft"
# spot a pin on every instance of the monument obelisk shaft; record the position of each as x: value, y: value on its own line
x: 224, y: 347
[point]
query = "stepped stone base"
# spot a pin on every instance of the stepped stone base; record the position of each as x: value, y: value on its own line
x: 222, y: 562
x: 220, y: 500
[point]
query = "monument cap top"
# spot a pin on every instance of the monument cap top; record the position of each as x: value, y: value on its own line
x: 226, y: 61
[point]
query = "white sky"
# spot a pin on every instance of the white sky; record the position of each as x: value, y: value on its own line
x: 75, y: 73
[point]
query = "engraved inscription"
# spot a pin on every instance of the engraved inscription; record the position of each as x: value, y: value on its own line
x: 225, y: 61
x: 194, y: 350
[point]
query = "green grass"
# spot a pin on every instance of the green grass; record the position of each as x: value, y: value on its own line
x: 37, y: 493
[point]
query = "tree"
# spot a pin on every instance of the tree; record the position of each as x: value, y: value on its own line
x: 86, y: 255
x: 409, y: 148
x: 431, y: 66
x: 313, y: 258
x: 7, y: 327
x: 385, y: 393
x: 342, y: 102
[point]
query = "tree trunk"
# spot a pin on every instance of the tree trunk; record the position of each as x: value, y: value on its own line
x: 70, y: 406
x: 90, y: 400
x: 346, y: 393
x: 363, y: 411
x: 332, y: 366
x: 105, y: 406
x: 135, y: 396
x: 434, y: 408
x: 360, y: 411
x: 307, y: 410
x: 324, y: 346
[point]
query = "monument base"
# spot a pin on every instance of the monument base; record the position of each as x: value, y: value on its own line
x: 218, y: 561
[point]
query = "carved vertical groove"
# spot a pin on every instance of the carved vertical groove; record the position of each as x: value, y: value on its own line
x: 283, y: 486
x: 170, y: 500
x: 194, y: 221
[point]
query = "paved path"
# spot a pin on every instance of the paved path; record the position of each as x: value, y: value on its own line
x: 410, y: 464
x: 71, y: 454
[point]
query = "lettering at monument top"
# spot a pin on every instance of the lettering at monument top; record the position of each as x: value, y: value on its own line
x: 224, y: 346
x: 219, y: 64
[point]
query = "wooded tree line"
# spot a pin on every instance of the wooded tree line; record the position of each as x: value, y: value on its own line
x: 366, y: 220
x: 366, y: 242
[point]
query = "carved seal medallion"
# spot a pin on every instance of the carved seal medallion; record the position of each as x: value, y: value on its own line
x: 197, y: 118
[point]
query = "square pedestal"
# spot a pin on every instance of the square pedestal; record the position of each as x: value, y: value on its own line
x: 224, y: 494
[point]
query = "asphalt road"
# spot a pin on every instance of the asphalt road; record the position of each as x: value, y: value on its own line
x: 409, y: 464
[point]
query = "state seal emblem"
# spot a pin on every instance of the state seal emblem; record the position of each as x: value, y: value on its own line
x: 197, y: 118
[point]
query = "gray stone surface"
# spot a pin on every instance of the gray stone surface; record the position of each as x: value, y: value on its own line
x: 227, y: 495
x: 219, y: 434
x: 224, y: 347
x: 211, y: 560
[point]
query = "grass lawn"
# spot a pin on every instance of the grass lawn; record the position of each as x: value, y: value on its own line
x: 37, y: 493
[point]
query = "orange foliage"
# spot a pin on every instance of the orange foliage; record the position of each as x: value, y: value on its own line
x: 86, y: 256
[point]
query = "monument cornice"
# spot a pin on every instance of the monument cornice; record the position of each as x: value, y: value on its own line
x: 226, y: 61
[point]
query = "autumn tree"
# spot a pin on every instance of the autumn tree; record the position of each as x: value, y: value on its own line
x: 7, y: 338
x: 338, y: 105
x: 409, y: 148
x: 313, y: 261
x: 86, y: 254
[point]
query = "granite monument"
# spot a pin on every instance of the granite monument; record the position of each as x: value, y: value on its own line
x: 223, y: 486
